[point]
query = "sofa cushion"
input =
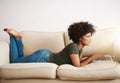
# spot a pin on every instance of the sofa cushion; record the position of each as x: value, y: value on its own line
x: 29, y: 70
x: 33, y: 40
x: 102, y: 42
x: 4, y: 52
x: 96, y: 70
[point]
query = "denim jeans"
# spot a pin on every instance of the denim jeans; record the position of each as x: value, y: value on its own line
x: 17, y: 55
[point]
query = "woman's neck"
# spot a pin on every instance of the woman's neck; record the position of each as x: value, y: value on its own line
x: 81, y: 46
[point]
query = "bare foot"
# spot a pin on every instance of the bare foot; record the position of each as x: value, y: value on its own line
x: 13, y: 32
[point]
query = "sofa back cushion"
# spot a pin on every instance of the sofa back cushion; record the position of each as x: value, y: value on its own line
x: 102, y: 42
x: 33, y: 40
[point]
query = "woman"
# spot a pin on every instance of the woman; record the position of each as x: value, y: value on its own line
x: 80, y: 33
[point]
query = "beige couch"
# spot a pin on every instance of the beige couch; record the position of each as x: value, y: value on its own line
x: 104, y: 41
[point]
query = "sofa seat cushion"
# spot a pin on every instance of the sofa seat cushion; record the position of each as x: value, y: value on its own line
x: 96, y: 70
x: 29, y: 70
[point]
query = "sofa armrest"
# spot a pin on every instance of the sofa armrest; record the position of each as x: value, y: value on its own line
x: 4, y: 53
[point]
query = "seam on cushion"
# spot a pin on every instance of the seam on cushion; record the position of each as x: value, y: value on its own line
x: 81, y: 79
x: 28, y: 68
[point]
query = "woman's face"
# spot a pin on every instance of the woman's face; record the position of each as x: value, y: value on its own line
x: 86, y: 39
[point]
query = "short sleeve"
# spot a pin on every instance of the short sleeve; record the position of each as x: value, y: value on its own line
x: 73, y: 49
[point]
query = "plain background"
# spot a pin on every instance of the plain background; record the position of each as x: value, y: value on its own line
x: 57, y: 15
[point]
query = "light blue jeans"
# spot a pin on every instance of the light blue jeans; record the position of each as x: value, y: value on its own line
x: 17, y: 56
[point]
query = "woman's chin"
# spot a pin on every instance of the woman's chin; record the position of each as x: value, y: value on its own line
x: 87, y: 44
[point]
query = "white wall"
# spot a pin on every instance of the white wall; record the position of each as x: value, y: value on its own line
x: 57, y: 15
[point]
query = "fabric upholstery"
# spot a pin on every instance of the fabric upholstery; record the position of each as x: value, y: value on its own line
x: 4, y: 52
x: 29, y: 70
x: 32, y: 41
x: 57, y: 81
x: 97, y: 70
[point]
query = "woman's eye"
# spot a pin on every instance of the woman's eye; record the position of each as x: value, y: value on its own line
x: 88, y: 36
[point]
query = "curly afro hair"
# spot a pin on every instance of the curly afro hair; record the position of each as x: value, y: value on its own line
x: 77, y: 30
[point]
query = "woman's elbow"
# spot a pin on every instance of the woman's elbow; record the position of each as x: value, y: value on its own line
x: 77, y: 65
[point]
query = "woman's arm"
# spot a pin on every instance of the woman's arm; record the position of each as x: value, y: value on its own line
x: 90, y: 58
x: 81, y: 56
x: 86, y: 61
x: 77, y: 61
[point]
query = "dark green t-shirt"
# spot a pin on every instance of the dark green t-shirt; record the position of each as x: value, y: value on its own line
x: 63, y: 57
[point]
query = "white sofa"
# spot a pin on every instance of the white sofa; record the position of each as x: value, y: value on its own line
x: 104, y: 41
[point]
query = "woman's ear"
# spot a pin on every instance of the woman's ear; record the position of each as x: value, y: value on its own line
x: 80, y: 39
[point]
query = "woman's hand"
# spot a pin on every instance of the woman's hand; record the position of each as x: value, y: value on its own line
x: 96, y: 56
